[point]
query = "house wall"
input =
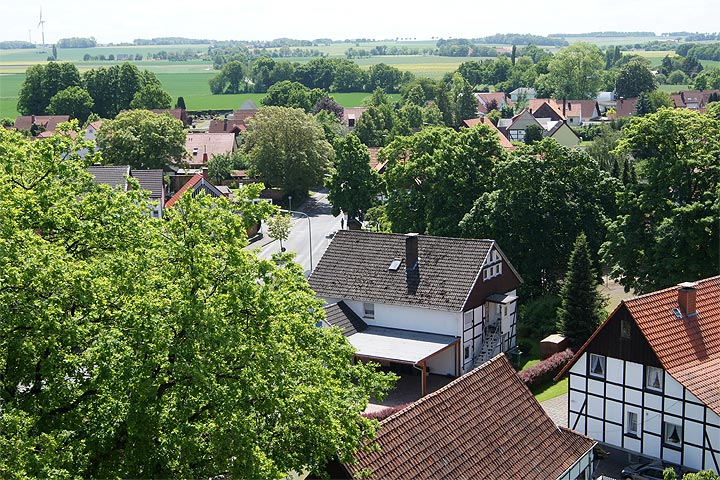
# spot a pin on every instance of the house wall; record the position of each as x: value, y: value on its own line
x: 409, y: 318
x: 444, y: 363
x: 565, y: 137
x: 583, y: 468
x: 599, y: 406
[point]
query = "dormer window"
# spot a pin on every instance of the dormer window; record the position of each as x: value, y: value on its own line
x: 195, y: 151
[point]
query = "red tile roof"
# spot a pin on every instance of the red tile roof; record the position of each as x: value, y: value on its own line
x: 49, y: 122
x: 504, y: 142
x: 688, y: 348
x: 225, y: 126
x: 197, y: 178
x: 485, y: 98
x: 485, y: 424
x: 210, y: 143
x: 625, y: 107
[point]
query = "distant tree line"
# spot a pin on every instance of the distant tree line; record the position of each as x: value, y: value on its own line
x: 353, y: 52
x: 76, y: 42
x: 461, y: 47
x: 522, y: 39
x: 16, y: 44
x: 170, y: 41
x: 60, y: 89
x: 699, y: 51
x: 604, y: 34
x: 701, y: 37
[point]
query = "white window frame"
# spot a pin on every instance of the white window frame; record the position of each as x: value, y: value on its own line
x: 467, y: 320
x: 592, y: 365
x: 369, y: 310
x: 668, y: 428
x: 629, y: 430
x: 649, y: 371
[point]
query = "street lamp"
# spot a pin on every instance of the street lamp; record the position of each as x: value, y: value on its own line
x: 290, y: 203
x: 309, y: 230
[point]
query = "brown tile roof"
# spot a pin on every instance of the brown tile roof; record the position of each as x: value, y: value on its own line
x: 688, y: 348
x: 624, y: 107
x: 356, y: 266
x: 176, y: 113
x: 341, y: 316
x: 485, y: 424
x: 486, y: 97
x: 210, y: 143
x: 226, y: 126
x: 502, y: 139
x: 50, y: 122
x: 588, y: 109
x: 352, y: 112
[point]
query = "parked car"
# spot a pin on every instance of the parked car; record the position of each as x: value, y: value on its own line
x: 650, y: 471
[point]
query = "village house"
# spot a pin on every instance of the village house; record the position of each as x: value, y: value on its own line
x: 485, y: 424
x: 202, y: 146
x: 116, y: 176
x: 434, y: 304
x: 648, y: 380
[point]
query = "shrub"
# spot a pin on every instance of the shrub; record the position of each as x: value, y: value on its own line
x: 538, y: 317
x: 547, y: 369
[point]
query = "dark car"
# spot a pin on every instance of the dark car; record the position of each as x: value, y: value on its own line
x: 650, y: 471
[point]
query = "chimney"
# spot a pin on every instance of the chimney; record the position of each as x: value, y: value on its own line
x: 411, y: 251
x: 570, y: 106
x: 205, y: 174
x: 205, y: 155
x: 225, y: 125
x: 686, y: 298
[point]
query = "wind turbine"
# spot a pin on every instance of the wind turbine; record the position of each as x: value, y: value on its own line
x: 41, y: 25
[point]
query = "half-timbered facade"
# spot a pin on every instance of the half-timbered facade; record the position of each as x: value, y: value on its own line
x: 648, y: 380
x: 461, y: 292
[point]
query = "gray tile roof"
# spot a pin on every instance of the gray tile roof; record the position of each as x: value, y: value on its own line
x: 356, y: 266
x: 115, y: 176
x: 150, y: 180
x: 341, y: 316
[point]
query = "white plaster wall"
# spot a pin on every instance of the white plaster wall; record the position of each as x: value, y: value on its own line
x: 614, y: 371
x: 613, y: 411
x: 578, y: 382
x: 693, y: 432
x: 444, y: 363
x: 714, y: 435
x: 579, y: 427
x: 694, y: 412
x: 595, y: 429
x: 633, y: 396
x: 613, y: 435
x: 653, y: 401
x: 672, y: 406
x: 596, y: 387
x: 580, y: 367
x: 633, y: 444
x: 672, y: 387
x: 576, y: 401
x: 712, y: 418
x: 614, y: 392
x: 710, y: 462
x: 671, y: 455
x: 652, y: 422
x: 411, y: 318
x: 689, y: 396
x: 693, y: 457
x: 633, y: 374
x: 595, y: 406
x: 651, y: 446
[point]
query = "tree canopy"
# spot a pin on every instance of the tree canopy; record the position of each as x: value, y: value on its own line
x: 634, y: 78
x: 667, y: 229
x: 352, y: 185
x: 143, y: 140
x: 287, y: 149
x: 137, y: 347
x: 574, y: 72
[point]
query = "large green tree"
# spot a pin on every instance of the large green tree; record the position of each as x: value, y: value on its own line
x: 151, y: 97
x: 73, y: 101
x: 143, y: 140
x: 143, y: 348
x: 466, y: 103
x: 540, y: 201
x: 667, y: 230
x: 287, y: 149
x: 434, y: 176
x: 42, y: 82
x: 634, y: 78
x: 574, y: 72
x: 582, y: 305
x: 353, y: 185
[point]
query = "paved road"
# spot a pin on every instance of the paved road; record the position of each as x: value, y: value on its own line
x: 315, y: 216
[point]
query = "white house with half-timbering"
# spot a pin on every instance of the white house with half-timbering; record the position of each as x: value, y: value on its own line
x: 433, y: 303
x: 648, y: 380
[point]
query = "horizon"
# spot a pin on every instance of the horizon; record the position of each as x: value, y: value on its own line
x: 317, y: 19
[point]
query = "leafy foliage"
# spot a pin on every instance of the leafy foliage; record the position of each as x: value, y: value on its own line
x: 151, y: 97
x: 42, y: 82
x: 540, y: 200
x: 287, y: 149
x: 73, y: 101
x: 667, y: 229
x: 146, y: 348
x: 143, y: 140
x: 634, y: 78
x: 353, y: 185
x: 433, y: 177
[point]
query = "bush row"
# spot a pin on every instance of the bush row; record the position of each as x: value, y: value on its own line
x: 546, y: 369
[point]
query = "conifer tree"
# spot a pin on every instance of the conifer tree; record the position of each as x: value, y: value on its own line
x: 582, y: 305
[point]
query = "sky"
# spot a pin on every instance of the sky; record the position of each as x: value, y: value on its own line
x: 126, y: 20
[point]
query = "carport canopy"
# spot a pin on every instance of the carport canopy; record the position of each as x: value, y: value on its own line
x: 399, y: 346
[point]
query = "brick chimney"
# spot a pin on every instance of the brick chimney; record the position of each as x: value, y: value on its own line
x: 686, y: 298
x: 411, y: 251
x: 205, y: 173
